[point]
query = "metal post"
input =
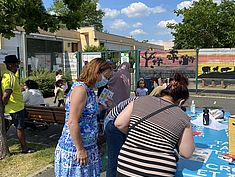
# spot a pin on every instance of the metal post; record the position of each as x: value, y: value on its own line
x: 137, y: 66
x: 197, y: 52
x: 24, y: 55
x: 19, y: 69
x: 79, y: 65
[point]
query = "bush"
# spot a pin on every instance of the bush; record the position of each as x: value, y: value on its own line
x: 46, y: 81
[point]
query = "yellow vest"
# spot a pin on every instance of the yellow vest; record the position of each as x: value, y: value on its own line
x: 15, y: 103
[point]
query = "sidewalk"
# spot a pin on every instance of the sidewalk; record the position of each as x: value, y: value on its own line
x: 225, y: 102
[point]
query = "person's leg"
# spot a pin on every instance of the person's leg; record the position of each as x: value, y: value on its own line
x: 63, y: 103
x: 58, y: 103
x: 114, y: 140
x: 18, y: 120
x: 21, y: 136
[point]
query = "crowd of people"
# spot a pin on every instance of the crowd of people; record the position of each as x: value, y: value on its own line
x: 145, y: 133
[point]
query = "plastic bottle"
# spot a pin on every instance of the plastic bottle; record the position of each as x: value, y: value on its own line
x: 193, y: 107
x: 205, y: 116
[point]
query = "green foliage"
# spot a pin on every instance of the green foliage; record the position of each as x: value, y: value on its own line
x: 32, y: 15
x: 45, y: 80
x: 86, y: 10
x: 93, y: 48
x: 205, y: 25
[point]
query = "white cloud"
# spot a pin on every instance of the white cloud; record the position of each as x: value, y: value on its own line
x: 137, y: 32
x: 162, y: 33
x: 139, y: 9
x: 217, y: 1
x: 137, y: 25
x: 119, y: 24
x: 187, y: 4
x: 111, y: 12
x: 184, y: 4
x: 162, y: 24
x: 157, y: 42
x: 158, y: 9
x: 98, y: 6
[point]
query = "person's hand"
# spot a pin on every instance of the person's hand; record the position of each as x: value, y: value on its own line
x: 82, y: 156
x: 109, y: 103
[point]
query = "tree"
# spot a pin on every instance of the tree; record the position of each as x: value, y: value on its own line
x: 91, y: 16
x: 4, y: 151
x: 205, y: 25
x: 32, y: 15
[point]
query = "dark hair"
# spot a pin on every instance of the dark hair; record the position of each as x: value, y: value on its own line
x: 31, y: 84
x: 58, y: 72
x: 178, y: 88
x: 138, y: 82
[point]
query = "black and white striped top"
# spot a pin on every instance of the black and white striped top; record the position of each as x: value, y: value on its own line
x: 118, y: 109
x: 149, y: 148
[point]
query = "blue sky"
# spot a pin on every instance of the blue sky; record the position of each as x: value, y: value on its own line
x: 142, y: 20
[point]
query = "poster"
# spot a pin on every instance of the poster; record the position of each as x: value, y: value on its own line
x: 124, y: 57
x: 88, y: 56
x: 216, y: 63
x: 71, y: 64
x: 164, y: 63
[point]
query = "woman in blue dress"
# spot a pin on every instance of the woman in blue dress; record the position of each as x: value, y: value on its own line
x: 77, y: 153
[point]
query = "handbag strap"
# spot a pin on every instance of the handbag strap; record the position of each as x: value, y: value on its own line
x: 150, y: 115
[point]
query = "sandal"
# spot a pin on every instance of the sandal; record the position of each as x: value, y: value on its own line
x: 28, y: 150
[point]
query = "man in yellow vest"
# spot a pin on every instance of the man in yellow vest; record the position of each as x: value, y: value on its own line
x: 13, y: 100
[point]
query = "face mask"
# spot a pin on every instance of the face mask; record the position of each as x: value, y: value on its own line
x: 101, y: 83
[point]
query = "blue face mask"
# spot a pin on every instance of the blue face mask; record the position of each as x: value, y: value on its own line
x: 102, y: 82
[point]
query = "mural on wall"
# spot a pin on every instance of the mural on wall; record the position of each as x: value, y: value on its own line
x: 168, y: 61
x: 216, y: 63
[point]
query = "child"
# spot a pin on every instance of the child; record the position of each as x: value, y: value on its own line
x: 141, y: 90
x: 59, y: 75
x: 59, y: 92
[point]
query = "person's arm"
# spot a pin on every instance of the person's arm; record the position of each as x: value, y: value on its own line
x: 7, y: 87
x: 6, y: 96
x: 123, y: 119
x: 186, y: 143
x: 78, y: 100
x: 56, y: 94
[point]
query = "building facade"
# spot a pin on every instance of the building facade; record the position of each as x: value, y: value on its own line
x: 45, y: 50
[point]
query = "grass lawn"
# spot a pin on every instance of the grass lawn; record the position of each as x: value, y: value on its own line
x: 19, y: 164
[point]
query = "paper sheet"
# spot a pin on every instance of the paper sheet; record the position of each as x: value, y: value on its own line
x: 104, y: 96
x: 213, y: 123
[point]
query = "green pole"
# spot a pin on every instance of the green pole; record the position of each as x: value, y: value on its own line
x: 137, y: 66
x: 79, y: 63
x: 197, y: 52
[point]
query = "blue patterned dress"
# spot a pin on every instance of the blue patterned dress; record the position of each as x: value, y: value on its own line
x: 65, y: 153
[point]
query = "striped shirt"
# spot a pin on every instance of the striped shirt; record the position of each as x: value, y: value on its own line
x: 149, y: 148
x: 118, y: 109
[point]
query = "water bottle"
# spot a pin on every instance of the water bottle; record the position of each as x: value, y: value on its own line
x: 205, y: 116
x: 193, y: 107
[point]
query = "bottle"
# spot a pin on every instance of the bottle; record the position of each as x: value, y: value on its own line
x: 193, y: 107
x: 205, y: 116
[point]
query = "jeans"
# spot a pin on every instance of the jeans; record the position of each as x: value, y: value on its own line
x: 114, y: 139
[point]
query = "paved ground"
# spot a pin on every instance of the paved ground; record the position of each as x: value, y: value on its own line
x: 50, y: 135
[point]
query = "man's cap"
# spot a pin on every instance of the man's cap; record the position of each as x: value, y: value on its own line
x: 11, y: 59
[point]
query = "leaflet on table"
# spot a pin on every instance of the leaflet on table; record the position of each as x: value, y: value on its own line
x: 201, y: 155
x: 105, y: 95
x: 227, y: 157
x: 213, y: 123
